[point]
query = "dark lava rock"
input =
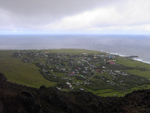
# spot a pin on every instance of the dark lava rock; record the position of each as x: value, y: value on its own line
x: 1, y: 107
x: 2, y: 78
x: 42, y: 88
x: 15, y: 98
x: 29, y: 102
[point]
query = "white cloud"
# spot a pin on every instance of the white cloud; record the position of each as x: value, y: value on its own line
x: 97, y: 16
x: 132, y: 15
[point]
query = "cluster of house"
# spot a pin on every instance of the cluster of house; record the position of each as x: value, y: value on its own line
x: 117, y: 73
x: 17, y: 54
x: 77, y: 70
x: 83, y: 65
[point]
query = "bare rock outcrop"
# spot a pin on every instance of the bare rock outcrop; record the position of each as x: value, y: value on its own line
x: 2, y: 78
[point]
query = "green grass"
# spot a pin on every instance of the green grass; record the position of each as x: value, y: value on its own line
x: 26, y: 73
x: 74, y: 51
x: 135, y: 64
x: 145, y: 74
x: 106, y: 92
x: 76, y: 80
x: 111, y: 94
x: 19, y: 72
x: 132, y: 63
x: 59, y: 74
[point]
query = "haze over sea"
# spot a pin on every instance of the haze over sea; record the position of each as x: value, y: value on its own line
x: 137, y: 45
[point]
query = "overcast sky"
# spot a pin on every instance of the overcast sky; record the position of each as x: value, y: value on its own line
x: 75, y: 16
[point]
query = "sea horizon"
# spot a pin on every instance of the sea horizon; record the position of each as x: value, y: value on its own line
x: 123, y: 45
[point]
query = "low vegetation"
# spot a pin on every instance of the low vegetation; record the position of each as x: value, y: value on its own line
x: 75, y: 70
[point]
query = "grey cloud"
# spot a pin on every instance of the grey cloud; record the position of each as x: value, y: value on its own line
x: 34, y: 13
x: 50, y: 8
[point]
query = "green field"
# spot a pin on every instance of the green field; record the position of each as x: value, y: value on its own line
x: 74, y: 51
x: 23, y: 73
x: 136, y: 64
x: 28, y: 74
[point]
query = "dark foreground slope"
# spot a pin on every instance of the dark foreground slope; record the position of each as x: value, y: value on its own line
x: 16, y: 98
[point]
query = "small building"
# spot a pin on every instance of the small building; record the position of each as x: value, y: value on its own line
x: 110, y: 62
x: 58, y: 88
x: 84, y: 53
x: 97, y: 70
x: 82, y: 89
x: 111, y: 56
x: 81, y: 76
x: 64, y: 78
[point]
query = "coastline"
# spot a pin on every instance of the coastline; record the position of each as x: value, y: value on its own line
x: 113, y: 53
x: 136, y: 59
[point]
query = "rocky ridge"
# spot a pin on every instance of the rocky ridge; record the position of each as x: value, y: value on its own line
x: 15, y: 98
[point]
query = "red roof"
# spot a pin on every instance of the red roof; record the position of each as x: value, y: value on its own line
x: 111, y: 62
x: 97, y: 70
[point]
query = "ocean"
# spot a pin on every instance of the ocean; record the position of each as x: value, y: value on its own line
x: 137, y: 45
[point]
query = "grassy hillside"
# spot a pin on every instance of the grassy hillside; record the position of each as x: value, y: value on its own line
x: 138, y: 65
x: 26, y: 73
x: 19, y: 72
x: 74, y: 51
